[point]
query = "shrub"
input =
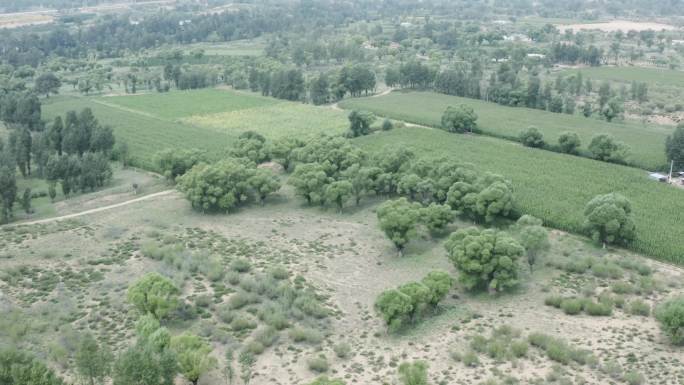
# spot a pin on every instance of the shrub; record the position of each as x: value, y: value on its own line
x: 266, y: 336
x: 459, y: 119
x: 622, y: 288
x: 241, y: 322
x: 387, y: 125
x: 634, y: 378
x: 299, y: 334
x: 639, y: 307
x: 572, y: 306
x: 470, y: 359
x: 323, y: 380
x: 255, y: 347
x: 554, y: 300
x: 531, y: 137
x: 342, y: 350
x: 413, y: 373
x: 569, y: 142
x: 519, y: 348
x: 598, y: 309
x: 241, y: 265
x: 670, y: 314
x: 606, y: 270
x: 318, y: 364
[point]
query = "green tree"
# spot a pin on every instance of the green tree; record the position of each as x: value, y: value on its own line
x: 339, y: 192
x: 608, y: 219
x: 495, y: 198
x: 47, y: 84
x: 122, y: 152
x: 154, y: 294
x: 587, y: 109
x: 361, y: 179
x: 310, y: 181
x: 94, y: 363
x: 8, y: 186
x: 395, y: 308
x: 26, y: 201
x: 604, y: 147
x: 193, y: 356
x: 252, y: 146
x: 102, y: 139
x: 420, y: 296
x: 613, y: 109
x: 670, y: 314
x: 459, y: 119
x: 437, y: 217
x: 218, y: 187
x: 264, y: 183
x: 439, y: 283
x: 534, y: 238
x: 319, y: 90
x: 282, y: 150
x: 531, y: 137
x: 569, y: 142
x: 144, y: 364
x: 55, y: 134
x: 19, y: 368
x: 360, y: 122
x: 173, y: 163
x: 398, y: 219
x: 413, y: 373
x: 674, y: 147
x: 485, y: 258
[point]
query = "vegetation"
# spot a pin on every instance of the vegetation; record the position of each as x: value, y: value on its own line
x: 670, y: 314
x: 609, y: 219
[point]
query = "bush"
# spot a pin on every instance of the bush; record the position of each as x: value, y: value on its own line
x: 387, y: 125
x: 634, y: 378
x: 299, y: 334
x: 606, y: 270
x: 670, y: 314
x: 598, y: 309
x: 241, y: 265
x: 554, y: 300
x: 413, y: 373
x: 470, y: 359
x: 519, y: 348
x: 531, y: 137
x: 342, y: 350
x: 569, y: 142
x: 639, y: 307
x: 241, y: 322
x: 622, y: 288
x: 266, y: 336
x: 318, y: 364
x: 572, y: 306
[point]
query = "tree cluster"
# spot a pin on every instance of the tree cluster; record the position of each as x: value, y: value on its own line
x: 409, y: 302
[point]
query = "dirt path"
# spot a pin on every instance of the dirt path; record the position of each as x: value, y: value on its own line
x: 336, y: 107
x: 95, y: 210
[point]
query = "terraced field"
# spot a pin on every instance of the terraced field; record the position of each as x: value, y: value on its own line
x: 556, y: 187
x: 647, y: 143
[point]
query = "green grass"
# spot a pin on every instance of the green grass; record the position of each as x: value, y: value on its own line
x: 145, y: 134
x: 628, y: 74
x: 181, y: 104
x: 556, y: 187
x: 647, y: 142
x: 275, y: 121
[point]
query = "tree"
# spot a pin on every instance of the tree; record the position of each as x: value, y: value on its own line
x: 531, y: 137
x: 8, y: 186
x: 387, y: 125
x: 613, y: 109
x: 360, y: 122
x: 154, y: 294
x: 252, y: 146
x: 534, y: 238
x: 102, y: 139
x: 282, y: 150
x: 459, y: 119
x: 47, y: 84
x: 22, y: 151
x: 439, y: 283
x: 485, y: 258
x: 26, y: 201
x: 395, y: 308
x: 361, y: 179
x: 608, y: 219
x: 413, y: 373
x: 495, y: 198
x: 587, y: 109
x: 218, y: 187
x: 264, y: 183
x: 569, y: 142
x: 674, y: 147
x: 436, y: 217
x: 193, y: 356
x: 398, y: 219
x: 94, y: 363
x: 604, y: 147
x: 145, y: 364
x: 173, y: 163
x: 670, y: 314
x: 419, y: 294
x: 319, y: 90
x: 309, y: 181
x: 19, y: 368
x: 339, y: 192
x: 121, y: 153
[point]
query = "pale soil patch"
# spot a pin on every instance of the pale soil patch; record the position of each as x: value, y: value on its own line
x: 617, y: 25
x: 16, y: 20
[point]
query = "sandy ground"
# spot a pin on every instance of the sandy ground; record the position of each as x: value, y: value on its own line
x: 616, y: 25
x: 16, y: 20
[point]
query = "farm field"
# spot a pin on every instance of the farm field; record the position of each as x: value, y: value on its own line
x: 647, y: 143
x: 206, y: 119
x: 663, y: 77
x: 556, y: 187
x: 347, y: 261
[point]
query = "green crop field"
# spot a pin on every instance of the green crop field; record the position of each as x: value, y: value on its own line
x: 144, y: 134
x: 180, y: 104
x: 275, y: 121
x: 647, y: 143
x: 555, y: 186
x: 206, y: 119
x: 628, y: 74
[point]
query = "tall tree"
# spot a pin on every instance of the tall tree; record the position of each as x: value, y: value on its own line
x: 674, y: 147
x: 47, y: 84
x: 94, y: 362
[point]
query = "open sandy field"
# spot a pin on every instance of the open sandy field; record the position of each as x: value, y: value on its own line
x: 21, y: 19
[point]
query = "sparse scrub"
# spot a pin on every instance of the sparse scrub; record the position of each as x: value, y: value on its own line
x: 318, y: 364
